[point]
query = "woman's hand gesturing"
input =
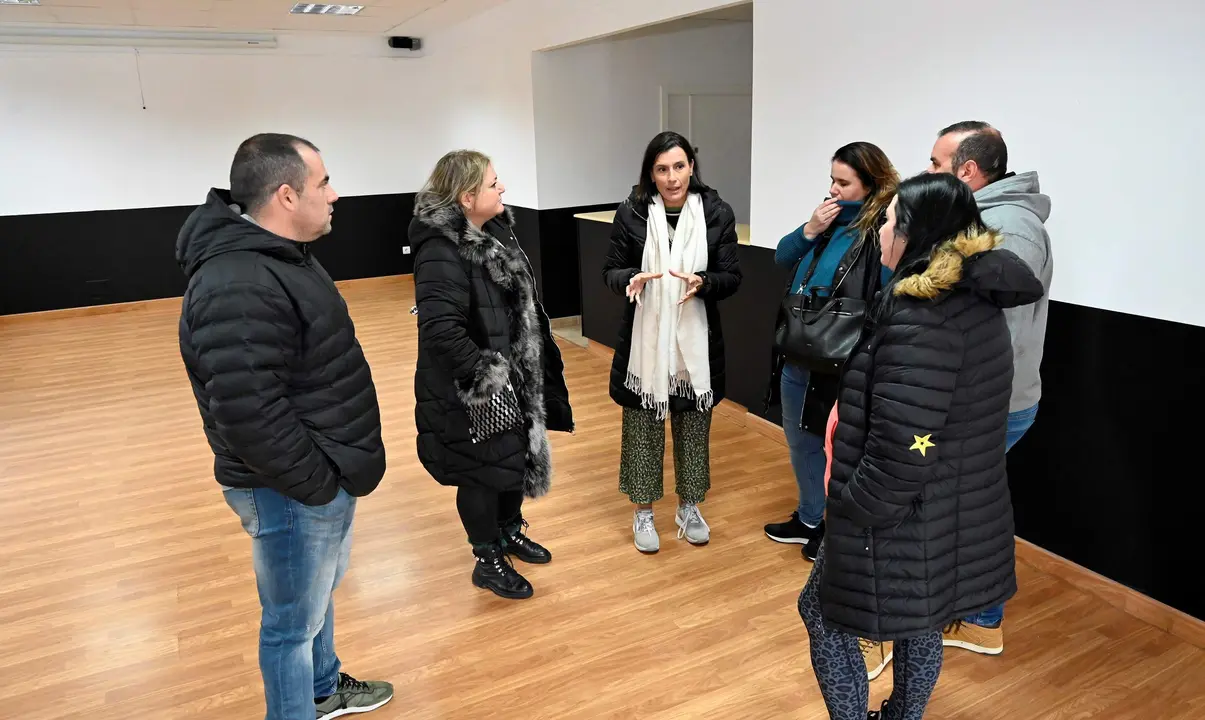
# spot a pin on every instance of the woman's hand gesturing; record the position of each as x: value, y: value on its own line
x: 636, y: 285
x: 693, y: 283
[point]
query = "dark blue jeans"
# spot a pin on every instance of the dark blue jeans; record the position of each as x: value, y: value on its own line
x: 1018, y: 424
x: 807, y: 450
x: 300, y: 554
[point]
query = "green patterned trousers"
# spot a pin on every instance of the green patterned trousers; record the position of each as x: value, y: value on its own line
x: 642, y: 455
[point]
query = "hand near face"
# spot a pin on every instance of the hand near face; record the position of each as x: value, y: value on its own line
x: 693, y: 283
x: 822, y: 217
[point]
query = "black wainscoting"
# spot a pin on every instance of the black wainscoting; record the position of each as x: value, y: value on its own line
x: 64, y: 260
x: 1103, y: 478
x: 562, y: 291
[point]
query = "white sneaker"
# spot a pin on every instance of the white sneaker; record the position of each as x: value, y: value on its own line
x: 691, y: 525
x: 645, y: 532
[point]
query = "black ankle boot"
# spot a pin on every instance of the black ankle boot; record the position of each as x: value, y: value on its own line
x: 493, y: 571
x: 523, y: 547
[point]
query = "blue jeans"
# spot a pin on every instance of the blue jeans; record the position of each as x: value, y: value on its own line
x: 1018, y: 424
x: 807, y: 450
x: 300, y: 554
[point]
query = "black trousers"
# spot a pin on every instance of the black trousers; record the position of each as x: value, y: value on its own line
x: 484, y: 512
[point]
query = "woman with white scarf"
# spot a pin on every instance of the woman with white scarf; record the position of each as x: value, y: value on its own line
x: 673, y: 256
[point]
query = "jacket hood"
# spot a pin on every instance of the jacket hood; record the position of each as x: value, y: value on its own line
x: 1018, y: 190
x: 971, y: 262
x: 218, y: 227
x: 448, y: 220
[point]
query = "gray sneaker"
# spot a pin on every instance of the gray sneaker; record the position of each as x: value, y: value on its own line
x: 691, y: 524
x: 645, y: 532
x: 353, y: 696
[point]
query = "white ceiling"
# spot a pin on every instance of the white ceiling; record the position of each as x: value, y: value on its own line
x: 378, y: 16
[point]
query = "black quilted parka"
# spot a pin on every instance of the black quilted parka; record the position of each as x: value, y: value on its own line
x: 919, y: 519
x: 721, y: 280
x: 481, y: 325
x: 286, y: 396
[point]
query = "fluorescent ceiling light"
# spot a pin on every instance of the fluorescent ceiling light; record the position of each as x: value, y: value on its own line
x: 15, y: 35
x: 320, y: 9
x: 19, y: 2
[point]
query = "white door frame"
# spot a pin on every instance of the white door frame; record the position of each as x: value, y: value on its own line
x: 720, y: 90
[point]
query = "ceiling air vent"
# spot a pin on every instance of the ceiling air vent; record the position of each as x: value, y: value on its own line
x: 319, y: 9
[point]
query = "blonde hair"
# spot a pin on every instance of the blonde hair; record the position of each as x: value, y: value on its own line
x: 457, y: 172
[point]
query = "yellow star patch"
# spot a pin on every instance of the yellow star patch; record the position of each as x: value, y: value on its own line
x: 922, y: 443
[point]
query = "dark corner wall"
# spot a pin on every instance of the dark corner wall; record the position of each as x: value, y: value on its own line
x: 1103, y: 478
x: 55, y: 261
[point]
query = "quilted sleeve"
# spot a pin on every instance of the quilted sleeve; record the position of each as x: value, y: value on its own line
x: 620, y: 266
x: 916, y: 368
x: 245, y: 337
x: 441, y: 291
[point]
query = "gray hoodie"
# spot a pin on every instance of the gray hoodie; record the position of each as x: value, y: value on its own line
x: 1016, y: 208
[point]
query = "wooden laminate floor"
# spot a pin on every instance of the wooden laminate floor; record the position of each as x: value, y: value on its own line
x: 126, y: 588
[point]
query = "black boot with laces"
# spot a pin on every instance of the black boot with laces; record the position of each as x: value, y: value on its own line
x: 520, y: 546
x: 493, y: 571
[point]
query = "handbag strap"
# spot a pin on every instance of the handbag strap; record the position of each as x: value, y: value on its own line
x: 821, y: 243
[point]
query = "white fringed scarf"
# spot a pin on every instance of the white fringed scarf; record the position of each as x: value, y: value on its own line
x: 669, y: 353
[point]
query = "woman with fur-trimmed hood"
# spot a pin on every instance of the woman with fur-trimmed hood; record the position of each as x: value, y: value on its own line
x: 919, y: 524
x: 489, y: 382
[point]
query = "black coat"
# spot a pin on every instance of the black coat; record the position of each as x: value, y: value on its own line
x: 919, y: 519
x: 285, y: 394
x: 721, y: 280
x: 480, y: 325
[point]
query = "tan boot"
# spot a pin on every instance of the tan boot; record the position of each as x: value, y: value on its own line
x: 978, y: 639
x: 877, y: 655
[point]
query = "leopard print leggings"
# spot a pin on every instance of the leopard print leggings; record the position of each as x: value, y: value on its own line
x: 841, y: 671
x: 642, y: 455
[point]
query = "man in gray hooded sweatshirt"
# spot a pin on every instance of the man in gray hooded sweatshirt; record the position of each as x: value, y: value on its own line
x: 1013, y: 205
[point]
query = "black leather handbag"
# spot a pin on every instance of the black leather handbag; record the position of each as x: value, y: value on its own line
x: 818, y: 329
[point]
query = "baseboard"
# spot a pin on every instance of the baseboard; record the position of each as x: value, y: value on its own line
x: 113, y: 308
x: 1128, y: 600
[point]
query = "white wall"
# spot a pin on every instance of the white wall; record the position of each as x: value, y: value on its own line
x: 1103, y: 100
x: 487, y: 61
x: 597, y: 105
x: 76, y: 136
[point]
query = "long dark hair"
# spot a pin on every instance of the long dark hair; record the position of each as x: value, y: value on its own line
x: 646, y: 189
x: 932, y: 209
x: 878, y: 176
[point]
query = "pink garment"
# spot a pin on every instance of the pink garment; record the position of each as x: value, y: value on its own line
x: 829, y: 429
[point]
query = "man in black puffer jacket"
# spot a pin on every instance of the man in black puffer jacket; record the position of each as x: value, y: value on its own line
x: 288, y: 405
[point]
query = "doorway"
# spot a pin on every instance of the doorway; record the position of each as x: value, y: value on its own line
x: 719, y: 125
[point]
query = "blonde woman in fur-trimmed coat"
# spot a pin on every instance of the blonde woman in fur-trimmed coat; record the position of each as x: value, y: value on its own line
x: 489, y: 382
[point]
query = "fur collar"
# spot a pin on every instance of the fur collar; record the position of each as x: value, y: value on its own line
x: 945, y: 268
x: 523, y: 361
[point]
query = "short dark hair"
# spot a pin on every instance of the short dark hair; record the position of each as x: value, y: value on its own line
x: 646, y: 189
x: 985, y: 145
x: 262, y: 164
x: 930, y: 209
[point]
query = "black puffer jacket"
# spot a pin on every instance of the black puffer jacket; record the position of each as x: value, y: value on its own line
x: 285, y: 394
x: 919, y: 520
x: 721, y: 280
x: 480, y: 325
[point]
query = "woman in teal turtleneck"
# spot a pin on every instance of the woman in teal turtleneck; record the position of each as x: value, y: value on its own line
x: 844, y: 229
